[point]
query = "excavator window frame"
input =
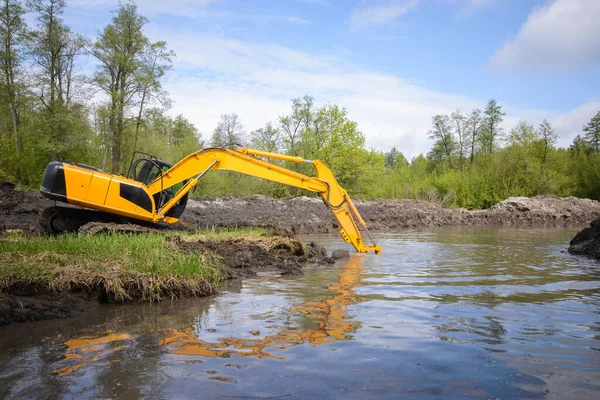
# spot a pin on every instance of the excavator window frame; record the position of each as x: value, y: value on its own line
x: 165, y: 194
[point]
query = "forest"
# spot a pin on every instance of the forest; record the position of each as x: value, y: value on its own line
x: 50, y: 108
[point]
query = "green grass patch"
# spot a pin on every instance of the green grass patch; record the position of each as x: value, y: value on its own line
x: 123, y: 265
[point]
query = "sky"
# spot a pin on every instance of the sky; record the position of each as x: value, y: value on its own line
x: 392, y: 64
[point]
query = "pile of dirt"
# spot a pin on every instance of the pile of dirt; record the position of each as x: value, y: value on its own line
x: 587, y: 242
x: 20, y: 209
x: 304, y: 215
x: 245, y: 257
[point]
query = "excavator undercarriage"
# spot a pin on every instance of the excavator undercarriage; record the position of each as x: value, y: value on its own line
x: 155, y: 192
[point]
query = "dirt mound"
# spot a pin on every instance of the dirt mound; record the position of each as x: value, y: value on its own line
x: 20, y: 209
x: 587, y: 242
x: 302, y: 215
x: 249, y: 257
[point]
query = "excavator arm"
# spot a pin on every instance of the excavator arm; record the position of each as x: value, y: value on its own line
x: 246, y: 161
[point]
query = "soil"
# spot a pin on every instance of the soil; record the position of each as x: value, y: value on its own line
x: 587, y: 242
x: 304, y: 215
x: 34, y: 303
x: 20, y: 210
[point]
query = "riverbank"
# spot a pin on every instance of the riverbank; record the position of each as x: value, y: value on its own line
x: 44, y: 277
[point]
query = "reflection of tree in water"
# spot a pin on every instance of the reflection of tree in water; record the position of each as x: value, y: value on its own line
x: 330, y: 315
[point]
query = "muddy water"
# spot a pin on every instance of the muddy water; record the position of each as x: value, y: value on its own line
x: 448, y: 313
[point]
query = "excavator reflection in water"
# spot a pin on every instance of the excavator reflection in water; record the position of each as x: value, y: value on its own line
x: 333, y: 324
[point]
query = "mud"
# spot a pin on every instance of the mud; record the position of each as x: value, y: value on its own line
x: 305, y: 215
x: 587, y: 242
x: 240, y: 258
x: 35, y: 303
x: 20, y: 210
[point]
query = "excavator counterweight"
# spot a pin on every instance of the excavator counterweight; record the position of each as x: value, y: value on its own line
x: 157, y: 191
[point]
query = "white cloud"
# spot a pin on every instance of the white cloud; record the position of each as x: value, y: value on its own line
x: 562, y: 35
x: 570, y: 124
x: 381, y: 13
x: 214, y: 75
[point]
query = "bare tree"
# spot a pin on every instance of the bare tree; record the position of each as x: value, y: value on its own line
x: 229, y: 132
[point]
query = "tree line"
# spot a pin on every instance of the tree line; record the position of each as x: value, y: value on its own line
x: 51, y: 108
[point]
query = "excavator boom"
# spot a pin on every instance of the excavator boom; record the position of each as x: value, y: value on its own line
x: 147, y: 198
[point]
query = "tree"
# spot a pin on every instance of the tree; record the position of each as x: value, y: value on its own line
x: 592, y: 133
x: 391, y: 158
x: 266, y: 139
x: 292, y: 125
x: 445, y: 143
x: 229, y: 132
x: 155, y: 62
x: 120, y: 49
x: 474, y: 123
x: 546, y: 134
x: 492, y: 132
x: 53, y: 49
x: 522, y: 134
x: 12, y: 31
x: 459, y: 121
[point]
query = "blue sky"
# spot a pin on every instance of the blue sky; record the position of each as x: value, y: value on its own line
x: 392, y: 63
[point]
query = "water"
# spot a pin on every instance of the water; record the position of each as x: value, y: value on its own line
x: 447, y: 313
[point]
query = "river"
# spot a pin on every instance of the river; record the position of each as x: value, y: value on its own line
x: 477, y: 313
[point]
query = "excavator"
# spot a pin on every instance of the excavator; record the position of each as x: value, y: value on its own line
x: 155, y: 191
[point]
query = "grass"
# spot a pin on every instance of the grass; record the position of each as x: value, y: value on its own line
x: 124, y: 266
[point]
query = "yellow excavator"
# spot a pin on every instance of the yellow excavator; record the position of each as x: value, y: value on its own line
x: 155, y: 191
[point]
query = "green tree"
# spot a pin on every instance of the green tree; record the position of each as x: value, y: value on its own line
x: 12, y: 33
x: 121, y: 49
x: 54, y: 49
x: 391, y: 158
x: 460, y: 128
x: 293, y: 124
x: 546, y: 134
x: 444, y: 145
x: 592, y: 133
x: 522, y: 134
x: 156, y: 60
x: 266, y: 139
x: 473, y: 127
x: 491, y: 133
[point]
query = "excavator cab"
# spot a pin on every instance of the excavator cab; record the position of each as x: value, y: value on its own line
x: 147, y: 169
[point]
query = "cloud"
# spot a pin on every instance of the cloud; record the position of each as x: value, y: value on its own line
x: 568, y: 125
x: 381, y: 13
x: 562, y: 35
x: 215, y: 75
